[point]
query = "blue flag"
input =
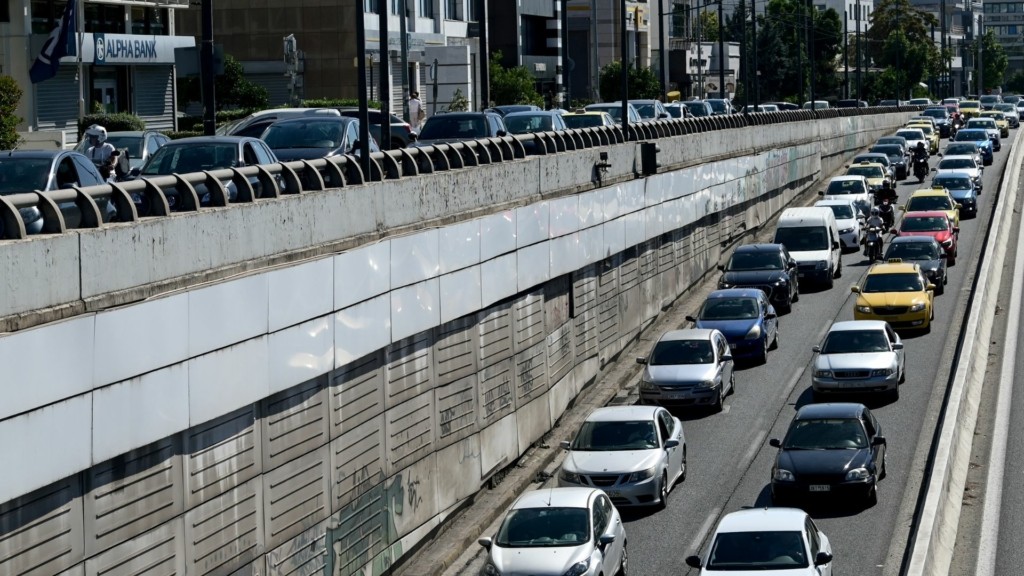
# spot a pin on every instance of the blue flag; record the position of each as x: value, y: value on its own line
x: 61, y: 43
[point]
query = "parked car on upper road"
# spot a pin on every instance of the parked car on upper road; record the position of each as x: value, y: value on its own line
x: 614, y: 109
x: 308, y: 138
x: 650, y: 109
x: 459, y: 127
x: 584, y: 119
x: 402, y: 133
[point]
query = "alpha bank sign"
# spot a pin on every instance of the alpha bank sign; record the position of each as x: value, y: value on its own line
x: 103, y: 49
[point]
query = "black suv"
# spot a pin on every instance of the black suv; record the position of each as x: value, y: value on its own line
x: 459, y: 127
x: 768, y: 267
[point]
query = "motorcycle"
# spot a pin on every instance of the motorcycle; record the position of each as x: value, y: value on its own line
x: 886, y: 211
x: 921, y: 168
x: 873, y: 243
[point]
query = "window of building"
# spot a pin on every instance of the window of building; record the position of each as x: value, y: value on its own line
x: 680, y: 20
x: 5, y: 10
x: 370, y: 6
x: 454, y: 10
x: 471, y: 10
x: 1011, y: 30
x: 106, y: 18
x: 149, y: 21
x: 426, y: 9
x: 44, y: 16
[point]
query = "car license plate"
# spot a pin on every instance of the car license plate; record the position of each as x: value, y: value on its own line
x: 614, y: 494
x: 820, y: 488
x: 732, y: 346
x: 801, y: 274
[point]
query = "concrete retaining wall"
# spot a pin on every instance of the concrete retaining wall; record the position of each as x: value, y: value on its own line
x: 355, y: 399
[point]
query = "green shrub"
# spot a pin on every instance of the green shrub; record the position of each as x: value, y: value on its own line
x: 182, y: 134
x: 120, y: 122
x: 10, y: 95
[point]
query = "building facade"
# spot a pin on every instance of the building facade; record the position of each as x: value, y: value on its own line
x: 1006, y: 21
x: 595, y: 40
x: 534, y: 43
x: 127, y: 61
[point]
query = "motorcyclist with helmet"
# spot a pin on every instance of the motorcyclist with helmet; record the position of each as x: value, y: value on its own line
x: 885, y: 199
x: 920, y: 161
x: 875, y: 227
x: 102, y: 153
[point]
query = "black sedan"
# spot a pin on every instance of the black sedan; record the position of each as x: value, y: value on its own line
x: 314, y: 137
x: 834, y: 451
x: 765, y: 266
x: 46, y: 170
x: 897, y: 158
x: 926, y: 252
x: 460, y: 127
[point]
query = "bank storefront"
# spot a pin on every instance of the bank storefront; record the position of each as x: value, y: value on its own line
x: 127, y: 63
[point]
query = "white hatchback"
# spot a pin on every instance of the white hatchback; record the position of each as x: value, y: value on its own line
x: 558, y: 532
x: 848, y: 219
x: 767, y: 541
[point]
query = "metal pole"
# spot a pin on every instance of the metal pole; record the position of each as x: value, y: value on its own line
x: 700, y: 60
x: 722, y: 57
x: 206, y: 70
x: 402, y: 29
x: 567, y: 100
x: 383, y: 14
x: 846, y: 54
x: 364, y: 120
x: 744, y: 57
x: 810, y: 48
x: 981, y: 55
x: 757, y: 71
x: 860, y: 93
x: 485, y: 54
x: 945, y: 72
x: 595, y: 78
x: 800, y: 38
x: 662, y: 74
x: 80, y: 33
x: 636, y: 36
x: 624, y: 71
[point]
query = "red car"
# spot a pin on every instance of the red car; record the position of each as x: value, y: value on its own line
x: 935, y: 224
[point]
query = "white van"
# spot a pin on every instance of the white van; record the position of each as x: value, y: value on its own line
x: 812, y: 238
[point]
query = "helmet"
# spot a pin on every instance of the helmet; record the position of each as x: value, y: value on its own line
x: 920, y: 145
x: 886, y: 183
x: 96, y: 134
x: 874, y: 211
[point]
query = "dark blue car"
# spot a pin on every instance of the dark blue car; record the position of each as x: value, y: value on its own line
x: 979, y: 137
x: 745, y: 317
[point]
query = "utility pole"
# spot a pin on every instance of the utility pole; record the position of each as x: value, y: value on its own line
x: 757, y: 71
x: 800, y: 54
x: 364, y: 120
x: 206, y: 70
x: 383, y: 12
x: 624, y: 70
x: 402, y: 29
x: 662, y: 74
x: 485, y: 54
x: 744, y: 57
x: 723, y: 58
x: 846, y: 54
x: 636, y: 36
x: 860, y: 94
x: 566, y: 63
x: 943, y: 45
x: 810, y: 47
x: 700, y: 61
x: 981, y: 58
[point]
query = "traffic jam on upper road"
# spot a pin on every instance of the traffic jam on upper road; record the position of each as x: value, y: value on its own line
x: 775, y: 429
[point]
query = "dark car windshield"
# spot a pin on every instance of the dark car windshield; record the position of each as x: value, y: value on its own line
x: 913, y: 251
x: 953, y: 183
x: 697, y: 108
x: 718, y: 105
x: 951, y: 163
x: 528, y: 124
x: 876, y: 283
x: 193, y: 157
x: 802, y: 238
x: 730, y: 309
x: 673, y: 352
x: 645, y: 110
x: 855, y: 342
x: 924, y: 224
x: 750, y: 551
x: 892, y: 151
x: 613, y: 436
x: 23, y: 174
x: 454, y: 127
x: 846, y: 186
x: 754, y: 261
x: 961, y: 150
x: 305, y: 134
x: 825, y: 434
x: 936, y: 113
x: 544, y: 527
x: 971, y: 136
x: 581, y: 120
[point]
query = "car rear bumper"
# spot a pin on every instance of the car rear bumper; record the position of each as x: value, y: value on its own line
x: 801, y: 492
x: 643, y: 493
x: 912, y: 320
x: 855, y: 385
x: 694, y: 396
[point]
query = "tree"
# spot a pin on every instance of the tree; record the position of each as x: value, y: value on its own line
x: 232, y: 89
x: 1015, y: 83
x: 10, y: 96
x: 993, y: 59
x: 706, y: 27
x: 899, y: 38
x: 642, y: 83
x: 513, y: 85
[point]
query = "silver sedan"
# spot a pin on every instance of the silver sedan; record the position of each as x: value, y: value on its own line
x: 859, y: 356
x: 636, y: 454
x: 692, y: 367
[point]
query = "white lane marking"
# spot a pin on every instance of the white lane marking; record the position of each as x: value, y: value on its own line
x: 703, y: 531
x: 988, y: 543
x: 726, y: 408
x: 795, y: 379
x: 752, y: 451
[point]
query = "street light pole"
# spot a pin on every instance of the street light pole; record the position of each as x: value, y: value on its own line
x: 744, y: 57
x: 757, y: 71
x: 860, y: 94
x: 385, y: 74
x: 364, y: 124
x: 846, y: 54
x: 810, y: 47
x: 722, y: 58
x: 624, y: 71
x: 661, y: 49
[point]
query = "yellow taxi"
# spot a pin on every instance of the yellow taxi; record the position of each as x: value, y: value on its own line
x: 930, y: 133
x: 873, y: 172
x: 1001, y: 122
x: 934, y: 199
x: 898, y: 293
x: 587, y: 119
x: 970, y: 109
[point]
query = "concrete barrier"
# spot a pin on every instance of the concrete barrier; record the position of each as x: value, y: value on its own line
x: 939, y: 515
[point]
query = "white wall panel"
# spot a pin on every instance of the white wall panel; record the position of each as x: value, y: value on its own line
x: 45, y: 445
x: 615, y: 236
x: 591, y: 245
x: 137, y: 412
x: 28, y: 358
x: 652, y: 223
x: 564, y: 216
x: 128, y: 345
x: 415, y: 308
x: 497, y: 234
x: 532, y: 224
x: 301, y: 292
x: 226, y: 313
x: 459, y: 246
x: 591, y: 208
x: 362, y: 274
x: 565, y: 254
x: 227, y: 379
x: 498, y: 279
x: 635, y: 227
x: 414, y: 258
x: 361, y: 329
x: 610, y: 203
x: 301, y: 353
x: 460, y: 293
x: 534, y: 265
x: 631, y: 198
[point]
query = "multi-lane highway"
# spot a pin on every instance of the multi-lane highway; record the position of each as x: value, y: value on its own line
x: 729, y: 456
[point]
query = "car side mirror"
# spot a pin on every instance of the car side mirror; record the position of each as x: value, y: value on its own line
x: 693, y: 562
x: 792, y: 263
x: 822, y: 558
x: 930, y: 287
x: 606, y: 539
x: 671, y: 443
x: 641, y: 360
x: 502, y: 133
x: 959, y: 205
x: 821, y: 192
x: 663, y: 115
x: 485, y: 542
x: 564, y: 444
x: 815, y: 348
x: 413, y: 137
x: 897, y: 346
x: 835, y: 245
x: 878, y: 441
x: 721, y: 267
x: 691, y: 319
x: 855, y: 289
x: 726, y: 357
x: 903, y: 208
x: 775, y: 443
x: 771, y: 316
